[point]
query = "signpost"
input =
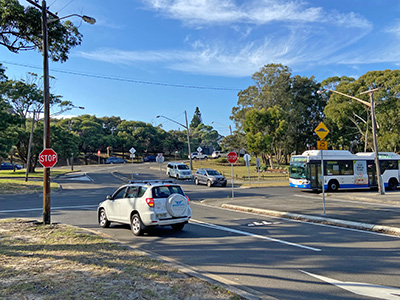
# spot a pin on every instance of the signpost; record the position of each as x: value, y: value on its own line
x: 247, y: 159
x: 322, y: 145
x: 199, y: 149
x: 258, y: 163
x: 160, y: 160
x: 132, y: 151
x: 232, y: 158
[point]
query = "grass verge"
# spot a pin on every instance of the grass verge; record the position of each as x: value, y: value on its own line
x: 16, y: 186
x: 60, y: 262
x: 13, y: 182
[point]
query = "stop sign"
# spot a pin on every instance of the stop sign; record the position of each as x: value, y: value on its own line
x: 48, y: 158
x: 232, y: 157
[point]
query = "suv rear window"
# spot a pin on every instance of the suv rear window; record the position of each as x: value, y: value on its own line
x: 166, y: 191
x: 183, y: 167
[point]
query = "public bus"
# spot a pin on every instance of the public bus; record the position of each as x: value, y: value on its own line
x: 343, y: 170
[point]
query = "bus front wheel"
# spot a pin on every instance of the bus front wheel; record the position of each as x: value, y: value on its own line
x: 333, y: 186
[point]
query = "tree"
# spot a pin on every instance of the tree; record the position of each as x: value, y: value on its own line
x: 290, y: 103
x: 352, y: 118
x: 196, y: 120
x: 20, y: 29
x: 7, y: 121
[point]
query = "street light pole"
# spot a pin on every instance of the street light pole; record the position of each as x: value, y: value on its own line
x: 187, y: 134
x: 229, y: 126
x: 371, y: 104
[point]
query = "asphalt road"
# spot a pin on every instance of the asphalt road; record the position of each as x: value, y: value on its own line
x: 265, y: 256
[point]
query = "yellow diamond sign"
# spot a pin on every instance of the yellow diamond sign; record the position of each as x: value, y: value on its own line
x: 321, y: 131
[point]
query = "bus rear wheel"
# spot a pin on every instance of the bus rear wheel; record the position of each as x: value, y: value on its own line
x: 333, y: 186
x: 392, y: 185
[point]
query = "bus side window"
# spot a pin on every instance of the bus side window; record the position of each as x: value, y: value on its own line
x: 388, y: 165
x: 346, y: 167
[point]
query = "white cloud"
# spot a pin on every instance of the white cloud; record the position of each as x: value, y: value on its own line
x: 257, y: 12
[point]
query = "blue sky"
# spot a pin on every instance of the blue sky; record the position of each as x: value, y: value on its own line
x: 145, y: 58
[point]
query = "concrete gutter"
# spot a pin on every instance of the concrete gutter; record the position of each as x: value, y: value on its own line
x: 316, y: 219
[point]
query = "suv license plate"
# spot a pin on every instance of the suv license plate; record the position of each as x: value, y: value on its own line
x: 161, y: 216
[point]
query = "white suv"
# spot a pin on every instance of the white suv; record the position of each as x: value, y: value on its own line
x: 179, y: 171
x: 146, y: 203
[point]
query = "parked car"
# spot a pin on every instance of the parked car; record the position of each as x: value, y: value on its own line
x: 115, y: 160
x: 150, y: 158
x: 210, y: 177
x: 144, y: 204
x: 218, y: 154
x: 198, y: 155
x: 179, y: 171
x: 10, y: 166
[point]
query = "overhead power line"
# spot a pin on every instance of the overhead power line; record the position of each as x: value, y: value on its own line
x: 137, y: 81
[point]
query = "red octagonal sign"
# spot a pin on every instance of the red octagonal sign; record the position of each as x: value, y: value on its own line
x: 48, y: 158
x: 232, y: 157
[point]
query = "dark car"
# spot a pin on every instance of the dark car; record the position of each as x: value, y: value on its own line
x: 115, y: 160
x: 150, y: 158
x: 9, y: 166
x: 210, y: 177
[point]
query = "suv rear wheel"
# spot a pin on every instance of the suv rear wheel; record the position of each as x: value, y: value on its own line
x: 178, y: 226
x: 137, y: 226
x: 196, y: 181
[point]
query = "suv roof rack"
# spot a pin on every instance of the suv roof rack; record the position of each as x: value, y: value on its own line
x: 150, y: 182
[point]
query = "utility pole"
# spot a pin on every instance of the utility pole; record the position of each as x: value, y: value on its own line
x: 188, y: 140
x: 46, y: 130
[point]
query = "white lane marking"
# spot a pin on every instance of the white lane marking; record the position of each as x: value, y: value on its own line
x: 41, y: 208
x: 305, y: 222
x: 77, y: 178
x: 200, y: 223
x: 363, y: 289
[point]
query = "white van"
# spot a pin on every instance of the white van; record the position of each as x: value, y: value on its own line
x: 179, y: 171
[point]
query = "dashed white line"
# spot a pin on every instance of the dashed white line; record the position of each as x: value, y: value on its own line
x: 200, y: 223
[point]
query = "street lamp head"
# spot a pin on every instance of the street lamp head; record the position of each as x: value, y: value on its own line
x: 89, y: 20
x: 158, y: 116
x: 320, y: 92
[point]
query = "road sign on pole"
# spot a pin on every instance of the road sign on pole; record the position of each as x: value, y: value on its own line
x: 48, y: 158
x: 160, y: 160
x: 322, y: 145
x: 232, y: 157
x: 321, y: 131
x: 247, y: 159
x: 132, y: 150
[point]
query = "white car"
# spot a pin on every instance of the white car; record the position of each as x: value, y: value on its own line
x: 218, y: 154
x: 198, y: 155
x: 146, y: 203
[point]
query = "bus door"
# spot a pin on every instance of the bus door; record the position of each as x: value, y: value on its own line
x: 371, y: 169
x: 315, y: 173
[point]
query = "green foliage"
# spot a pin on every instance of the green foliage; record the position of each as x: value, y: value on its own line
x: 279, y: 112
x: 196, y: 120
x: 20, y: 29
x: 351, y: 120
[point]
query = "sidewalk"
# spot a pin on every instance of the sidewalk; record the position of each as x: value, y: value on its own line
x: 366, y: 210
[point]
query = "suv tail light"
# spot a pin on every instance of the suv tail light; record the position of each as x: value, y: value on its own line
x: 187, y: 198
x: 150, y: 202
